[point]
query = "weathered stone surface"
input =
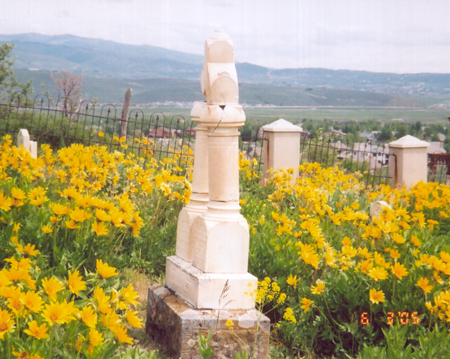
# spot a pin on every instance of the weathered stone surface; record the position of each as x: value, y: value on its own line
x: 204, y: 290
x: 219, y: 77
x: 175, y: 325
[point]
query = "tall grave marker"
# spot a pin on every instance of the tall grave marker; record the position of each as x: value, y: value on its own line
x: 207, y: 281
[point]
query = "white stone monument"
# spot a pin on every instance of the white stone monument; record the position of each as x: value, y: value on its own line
x: 217, y: 249
x: 207, y: 281
x: 23, y: 139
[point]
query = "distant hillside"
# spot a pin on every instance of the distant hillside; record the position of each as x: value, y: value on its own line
x: 182, y: 90
x: 158, y: 74
x: 100, y: 58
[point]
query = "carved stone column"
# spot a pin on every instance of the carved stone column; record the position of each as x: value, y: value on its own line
x: 207, y: 281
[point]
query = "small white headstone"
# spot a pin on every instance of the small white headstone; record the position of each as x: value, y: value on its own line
x: 376, y: 208
x: 33, y: 149
x: 23, y: 139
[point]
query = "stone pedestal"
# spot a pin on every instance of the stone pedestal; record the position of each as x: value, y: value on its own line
x: 175, y: 325
x: 281, y: 150
x: 208, y: 290
x: 410, y: 164
x: 207, y: 282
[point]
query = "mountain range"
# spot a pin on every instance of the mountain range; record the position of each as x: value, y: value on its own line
x: 156, y: 75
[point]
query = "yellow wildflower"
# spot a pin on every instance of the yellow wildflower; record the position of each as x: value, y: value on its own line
x: 99, y: 228
x: 6, y: 322
x: 376, y: 296
x: 47, y: 229
x: 229, y: 324
x: 292, y: 280
x: 378, y: 273
x: 37, y: 331
x: 121, y: 334
x: 58, y: 313
x: 397, y: 238
x: 129, y: 295
x: 75, y: 282
x: 423, y: 283
x: 399, y: 270
x: 306, y: 304
x: 133, y: 319
x: 88, y: 316
x: 52, y: 286
x: 289, y: 315
x: 318, y: 288
x: 105, y: 270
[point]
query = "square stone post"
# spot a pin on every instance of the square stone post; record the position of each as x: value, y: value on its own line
x: 281, y: 147
x: 409, y: 163
x: 207, y: 281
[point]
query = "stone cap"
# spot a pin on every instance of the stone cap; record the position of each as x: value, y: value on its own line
x: 408, y: 141
x: 281, y: 125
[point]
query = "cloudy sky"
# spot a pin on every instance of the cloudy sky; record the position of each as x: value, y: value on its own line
x: 403, y: 36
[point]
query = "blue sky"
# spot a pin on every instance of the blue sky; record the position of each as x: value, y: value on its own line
x: 403, y: 36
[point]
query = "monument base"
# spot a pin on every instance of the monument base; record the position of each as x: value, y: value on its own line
x: 210, y: 290
x: 175, y: 325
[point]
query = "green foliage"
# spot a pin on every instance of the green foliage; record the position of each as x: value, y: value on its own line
x: 137, y: 353
x: 8, y: 83
x: 318, y: 231
x: 204, y: 346
x: 85, y: 205
x: 432, y: 344
x: 57, y: 130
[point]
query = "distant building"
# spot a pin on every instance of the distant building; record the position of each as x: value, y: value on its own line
x: 436, y: 147
x: 368, y: 136
x: 338, y: 132
x: 375, y: 155
x: 186, y: 132
x: 159, y: 133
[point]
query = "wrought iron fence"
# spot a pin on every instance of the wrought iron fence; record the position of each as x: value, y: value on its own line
x: 251, y: 144
x: 146, y: 132
x: 89, y: 123
x: 439, y: 167
x: 370, y: 160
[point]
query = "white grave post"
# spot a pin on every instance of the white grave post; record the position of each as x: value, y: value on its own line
x: 199, y: 196
x: 220, y: 236
x: 409, y: 165
x: 281, y: 147
x: 23, y: 139
x: 207, y: 281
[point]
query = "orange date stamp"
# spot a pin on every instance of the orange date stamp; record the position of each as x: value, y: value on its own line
x: 403, y: 317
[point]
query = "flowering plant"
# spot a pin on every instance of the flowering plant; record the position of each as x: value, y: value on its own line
x: 42, y: 316
x: 349, y: 276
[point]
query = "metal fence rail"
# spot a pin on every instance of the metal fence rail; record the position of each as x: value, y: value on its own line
x: 439, y: 167
x: 89, y: 123
x: 372, y: 161
x: 145, y: 132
